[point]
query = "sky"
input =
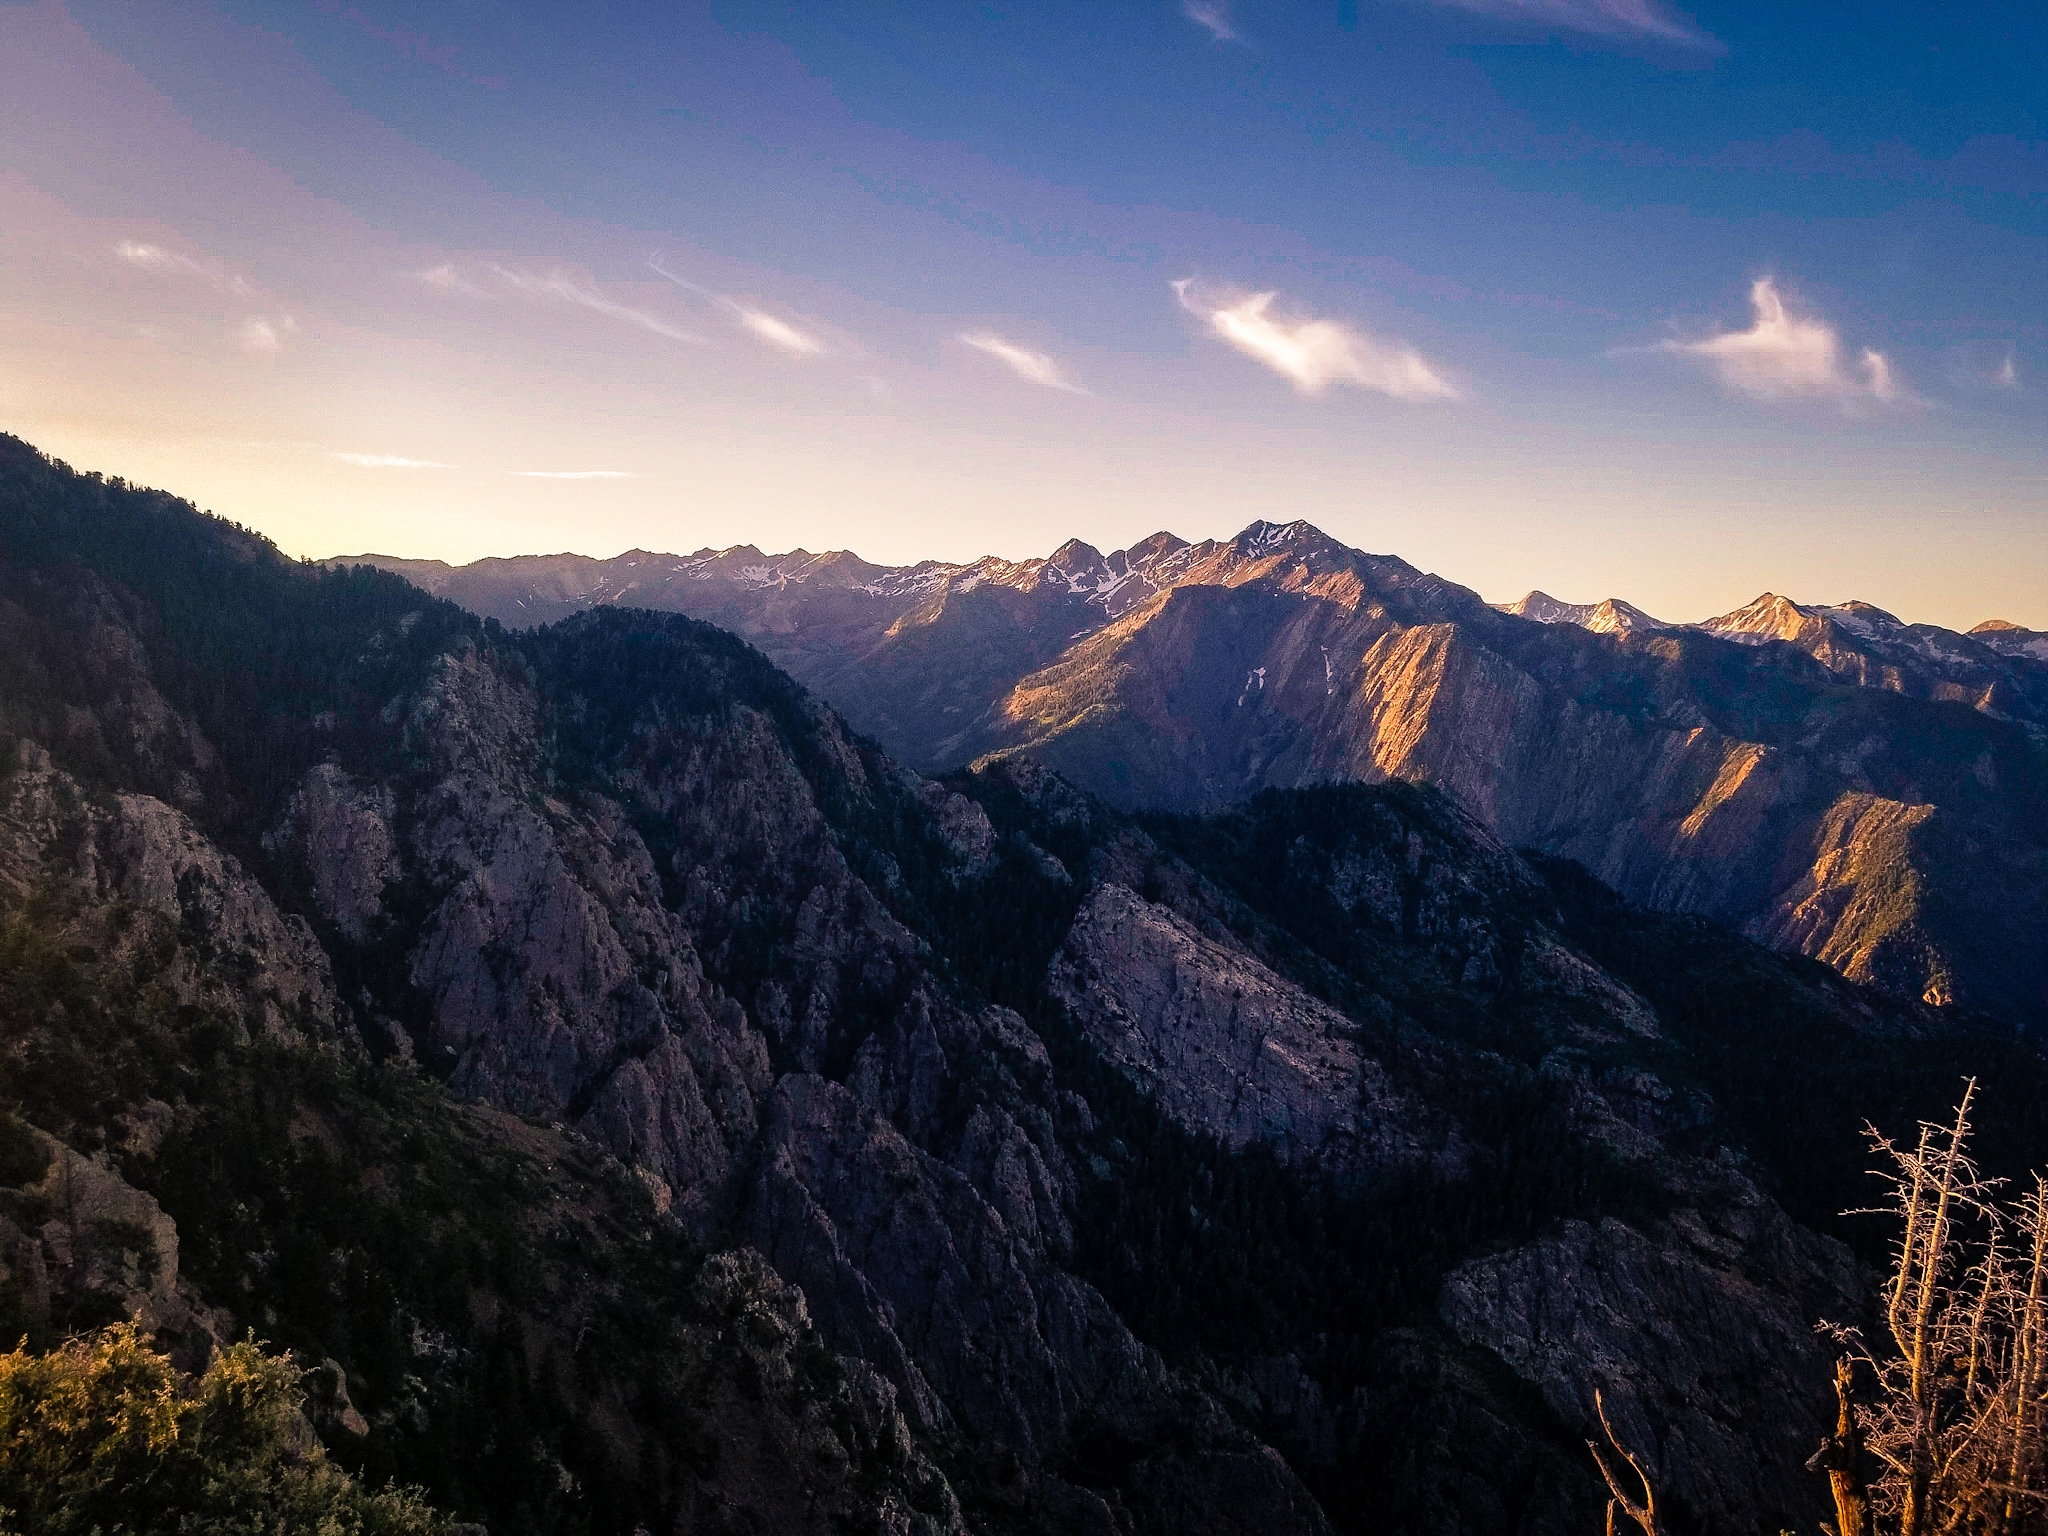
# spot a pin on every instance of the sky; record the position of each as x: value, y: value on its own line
x: 1602, y: 297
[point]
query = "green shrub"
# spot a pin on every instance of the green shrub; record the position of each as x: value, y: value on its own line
x: 104, y: 1435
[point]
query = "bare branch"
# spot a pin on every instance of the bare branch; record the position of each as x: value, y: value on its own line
x: 1645, y: 1513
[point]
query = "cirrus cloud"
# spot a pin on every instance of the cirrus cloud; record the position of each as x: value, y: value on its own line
x: 778, y: 332
x: 151, y: 257
x: 562, y: 288
x: 1601, y: 18
x: 757, y: 322
x: 261, y: 335
x: 148, y: 256
x: 1022, y: 360
x: 553, y: 286
x: 1213, y: 16
x: 1311, y: 353
x: 1786, y: 355
x: 387, y: 461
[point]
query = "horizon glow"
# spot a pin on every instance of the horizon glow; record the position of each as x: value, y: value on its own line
x: 1604, y: 299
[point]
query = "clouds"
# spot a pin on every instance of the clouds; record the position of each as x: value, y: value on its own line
x: 1624, y: 19
x: 1022, y: 360
x: 554, y: 286
x: 1785, y: 355
x: 387, y: 461
x: 260, y: 335
x: 154, y: 258
x: 560, y: 287
x: 400, y: 461
x: 448, y: 278
x: 763, y: 326
x: 1312, y: 354
x: 1601, y: 18
x: 779, y: 333
x: 1213, y: 16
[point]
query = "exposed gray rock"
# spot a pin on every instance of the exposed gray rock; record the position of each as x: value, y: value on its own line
x: 343, y: 830
x: 963, y: 825
x: 148, y: 876
x: 82, y: 1240
x: 1223, y: 1043
x: 1699, y: 1335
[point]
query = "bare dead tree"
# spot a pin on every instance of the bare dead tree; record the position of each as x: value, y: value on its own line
x: 1643, y: 1513
x: 1941, y: 1428
x: 1841, y: 1457
x: 1954, y: 1421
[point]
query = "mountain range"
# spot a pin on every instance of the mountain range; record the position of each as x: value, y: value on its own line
x: 643, y: 1103
x: 1826, y: 779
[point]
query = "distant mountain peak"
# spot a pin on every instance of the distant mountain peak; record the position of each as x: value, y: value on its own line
x: 2010, y: 639
x: 1075, y: 554
x: 1608, y: 616
x: 1264, y: 538
x: 1767, y: 617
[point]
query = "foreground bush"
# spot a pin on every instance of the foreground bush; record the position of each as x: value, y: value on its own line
x: 103, y: 1436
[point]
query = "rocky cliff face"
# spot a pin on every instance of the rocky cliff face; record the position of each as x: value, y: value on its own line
x: 1222, y: 1044
x: 664, y: 1109
x: 1708, y: 768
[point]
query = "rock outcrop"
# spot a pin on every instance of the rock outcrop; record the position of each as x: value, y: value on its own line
x: 1226, y: 1047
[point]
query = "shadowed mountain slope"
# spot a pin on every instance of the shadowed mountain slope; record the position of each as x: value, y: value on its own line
x: 1828, y: 780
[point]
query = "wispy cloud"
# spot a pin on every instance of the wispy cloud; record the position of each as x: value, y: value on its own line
x: 155, y: 258
x: 148, y: 256
x: 448, y: 278
x: 2007, y: 375
x: 1022, y: 361
x: 1212, y: 15
x: 577, y: 474
x: 777, y: 332
x: 1602, y: 18
x: 780, y: 333
x: 1785, y: 355
x: 560, y: 287
x: 495, y: 281
x: 1312, y: 354
x: 260, y: 335
x: 388, y: 461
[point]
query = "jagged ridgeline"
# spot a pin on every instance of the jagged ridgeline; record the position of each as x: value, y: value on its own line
x: 1830, y: 780
x: 639, y: 1102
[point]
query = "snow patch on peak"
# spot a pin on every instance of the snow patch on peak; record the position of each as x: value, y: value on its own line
x: 1609, y: 616
x: 1865, y: 619
x: 1263, y: 538
x: 2012, y: 639
x: 1770, y: 617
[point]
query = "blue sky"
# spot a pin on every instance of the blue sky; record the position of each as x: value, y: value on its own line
x: 1595, y: 295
